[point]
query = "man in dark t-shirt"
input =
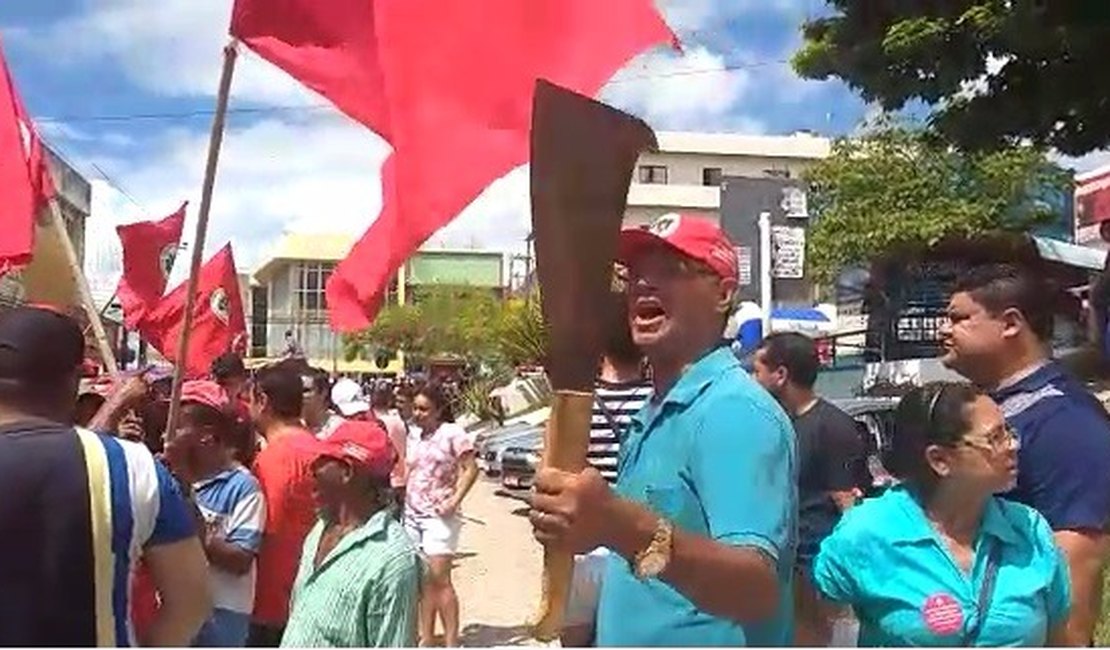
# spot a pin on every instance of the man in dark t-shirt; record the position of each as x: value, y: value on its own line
x: 78, y: 507
x: 831, y: 455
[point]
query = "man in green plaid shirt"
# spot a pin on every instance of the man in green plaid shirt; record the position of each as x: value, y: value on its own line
x: 359, y: 577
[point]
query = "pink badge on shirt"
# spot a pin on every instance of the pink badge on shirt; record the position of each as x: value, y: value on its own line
x: 943, y: 615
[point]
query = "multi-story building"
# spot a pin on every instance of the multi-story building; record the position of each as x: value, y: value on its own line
x: 288, y: 298
x: 685, y: 175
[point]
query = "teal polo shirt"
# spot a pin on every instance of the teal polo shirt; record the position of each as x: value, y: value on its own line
x: 716, y: 457
x: 887, y: 562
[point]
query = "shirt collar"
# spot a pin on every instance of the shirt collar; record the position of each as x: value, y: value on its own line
x: 913, y: 525
x: 1029, y: 379
x: 698, y: 375
x: 218, y: 478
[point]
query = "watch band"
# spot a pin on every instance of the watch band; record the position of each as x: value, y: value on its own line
x: 653, y: 560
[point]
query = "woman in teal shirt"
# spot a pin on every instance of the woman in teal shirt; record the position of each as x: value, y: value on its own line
x: 939, y: 560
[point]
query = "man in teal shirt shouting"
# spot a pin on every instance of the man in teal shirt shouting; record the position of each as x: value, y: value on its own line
x: 703, y: 519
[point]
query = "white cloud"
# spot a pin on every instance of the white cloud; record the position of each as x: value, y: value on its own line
x: 676, y: 92
x: 168, y: 47
x: 319, y: 175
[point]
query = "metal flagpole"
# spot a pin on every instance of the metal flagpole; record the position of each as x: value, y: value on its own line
x: 214, y: 142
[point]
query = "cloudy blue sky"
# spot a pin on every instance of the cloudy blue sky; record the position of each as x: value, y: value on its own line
x: 124, y: 89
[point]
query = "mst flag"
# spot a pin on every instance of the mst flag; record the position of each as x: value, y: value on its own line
x: 449, y: 85
x: 149, y: 250
x: 25, y: 183
x: 218, y: 321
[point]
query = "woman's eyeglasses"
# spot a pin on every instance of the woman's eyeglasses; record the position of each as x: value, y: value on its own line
x: 999, y: 440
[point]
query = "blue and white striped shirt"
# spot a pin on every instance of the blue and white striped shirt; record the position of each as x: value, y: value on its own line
x: 232, y: 501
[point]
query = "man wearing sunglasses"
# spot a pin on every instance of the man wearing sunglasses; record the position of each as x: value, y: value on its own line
x: 702, y: 520
x: 999, y: 335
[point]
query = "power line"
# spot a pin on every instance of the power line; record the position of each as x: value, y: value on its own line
x: 268, y: 110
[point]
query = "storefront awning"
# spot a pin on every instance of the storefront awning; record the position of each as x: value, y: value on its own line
x: 1082, y: 257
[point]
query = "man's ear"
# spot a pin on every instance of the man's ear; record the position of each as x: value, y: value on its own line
x: 727, y: 296
x: 1013, y: 322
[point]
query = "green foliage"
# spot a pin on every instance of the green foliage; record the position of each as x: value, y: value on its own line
x: 993, y: 72
x: 467, y: 322
x: 896, y: 187
x: 523, y: 332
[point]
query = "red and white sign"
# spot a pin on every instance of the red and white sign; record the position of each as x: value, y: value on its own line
x: 1092, y: 204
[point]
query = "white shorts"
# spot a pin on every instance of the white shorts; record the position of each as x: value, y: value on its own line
x: 585, y: 588
x: 433, y: 536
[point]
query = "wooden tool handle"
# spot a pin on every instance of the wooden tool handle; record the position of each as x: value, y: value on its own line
x: 566, y: 442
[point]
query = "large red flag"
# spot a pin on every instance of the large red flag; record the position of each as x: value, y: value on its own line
x: 449, y: 84
x: 25, y: 182
x: 149, y: 250
x: 218, y: 321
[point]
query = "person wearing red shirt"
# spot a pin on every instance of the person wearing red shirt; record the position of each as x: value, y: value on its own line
x: 284, y: 471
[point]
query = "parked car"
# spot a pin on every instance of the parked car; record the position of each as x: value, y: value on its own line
x: 492, y: 446
x: 518, y: 461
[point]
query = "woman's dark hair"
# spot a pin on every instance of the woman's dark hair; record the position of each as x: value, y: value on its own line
x: 933, y: 414
x: 435, y: 394
x: 228, y: 366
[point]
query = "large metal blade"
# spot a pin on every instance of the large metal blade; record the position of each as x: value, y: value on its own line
x: 583, y: 156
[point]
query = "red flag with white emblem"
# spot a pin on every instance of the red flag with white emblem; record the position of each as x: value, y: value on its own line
x: 25, y: 182
x: 449, y: 84
x: 219, y: 324
x: 149, y: 250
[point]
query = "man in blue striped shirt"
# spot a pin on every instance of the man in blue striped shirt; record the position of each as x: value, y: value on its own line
x: 80, y: 508
x: 232, y: 505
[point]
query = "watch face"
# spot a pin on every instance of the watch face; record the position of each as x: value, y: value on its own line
x: 653, y: 564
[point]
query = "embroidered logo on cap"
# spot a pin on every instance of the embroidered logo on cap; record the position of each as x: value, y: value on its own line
x: 665, y: 225
x: 357, y: 452
x: 943, y: 615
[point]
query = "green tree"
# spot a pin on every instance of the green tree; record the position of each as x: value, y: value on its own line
x: 467, y: 322
x: 895, y: 187
x: 993, y: 72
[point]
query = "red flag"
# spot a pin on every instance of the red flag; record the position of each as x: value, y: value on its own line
x: 149, y: 249
x: 449, y: 87
x: 25, y: 182
x: 218, y: 321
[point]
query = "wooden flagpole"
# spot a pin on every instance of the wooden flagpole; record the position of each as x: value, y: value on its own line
x: 58, y: 224
x: 214, y: 142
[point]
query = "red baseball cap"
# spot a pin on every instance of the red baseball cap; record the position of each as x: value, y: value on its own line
x: 203, y: 391
x: 695, y: 237
x: 362, y: 444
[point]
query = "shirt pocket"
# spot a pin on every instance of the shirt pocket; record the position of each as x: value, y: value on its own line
x: 676, y: 503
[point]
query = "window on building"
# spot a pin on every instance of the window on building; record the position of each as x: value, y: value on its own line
x: 312, y: 279
x: 711, y: 176
x: 260, y: 307
x: 653, y: 174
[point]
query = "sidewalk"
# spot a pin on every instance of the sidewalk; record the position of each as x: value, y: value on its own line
x: 497, y: 574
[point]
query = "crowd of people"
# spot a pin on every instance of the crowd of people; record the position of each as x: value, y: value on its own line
x: 286, y: 509
x: 725, y: 501
x: 741, y: 510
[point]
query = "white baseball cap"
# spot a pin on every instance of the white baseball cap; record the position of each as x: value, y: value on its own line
x: 348, y: 398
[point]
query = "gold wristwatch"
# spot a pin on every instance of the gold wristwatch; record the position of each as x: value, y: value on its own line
x: 653, y: 560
